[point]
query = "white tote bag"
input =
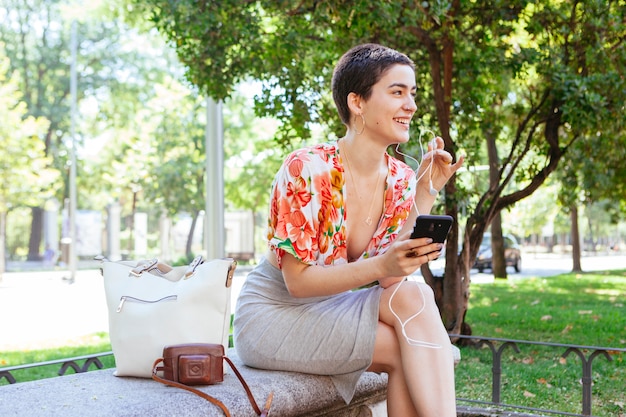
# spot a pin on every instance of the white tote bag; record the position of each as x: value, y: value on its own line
x: 152, y: 305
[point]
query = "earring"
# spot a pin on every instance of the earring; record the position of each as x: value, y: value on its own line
x: 363, y: 120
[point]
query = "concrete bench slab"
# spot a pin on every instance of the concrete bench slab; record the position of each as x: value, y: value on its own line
x: 99, y: 393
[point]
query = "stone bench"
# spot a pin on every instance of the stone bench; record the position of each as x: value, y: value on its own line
x: 99, y: 393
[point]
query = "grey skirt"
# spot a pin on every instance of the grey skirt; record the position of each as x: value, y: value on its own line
x: 331, y: 335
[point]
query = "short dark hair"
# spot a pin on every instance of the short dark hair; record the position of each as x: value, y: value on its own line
x: 359, y: 69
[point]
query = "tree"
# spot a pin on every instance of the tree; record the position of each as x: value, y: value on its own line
x: 177, y: 164
x: 563, y: 60
x: 158, y: 163
x: 30, y: 31
x: 117, y: 71
x: 178, y: 178
x: 250, y: 154
x: 24, y: 168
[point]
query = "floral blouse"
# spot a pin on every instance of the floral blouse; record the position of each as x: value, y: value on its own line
x: 307, y: 212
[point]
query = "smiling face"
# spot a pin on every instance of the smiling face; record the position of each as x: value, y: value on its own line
x: 358, y: 70
x: 390, y: 107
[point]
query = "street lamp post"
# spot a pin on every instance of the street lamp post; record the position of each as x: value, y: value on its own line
x: 214, y: 233
x: 72, y: 209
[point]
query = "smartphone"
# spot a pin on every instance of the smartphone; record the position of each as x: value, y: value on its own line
x: 433, y: 226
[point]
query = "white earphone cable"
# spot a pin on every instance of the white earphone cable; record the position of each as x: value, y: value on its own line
x: 403, y: 324
x: 432, y: 158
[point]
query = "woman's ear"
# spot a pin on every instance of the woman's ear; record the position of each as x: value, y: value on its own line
x: 355, y: 103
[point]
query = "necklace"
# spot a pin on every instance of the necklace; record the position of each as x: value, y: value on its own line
x: 368, y: 220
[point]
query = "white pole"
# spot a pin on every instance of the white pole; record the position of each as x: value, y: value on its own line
x: 72, y: 214
x: 214, y: 232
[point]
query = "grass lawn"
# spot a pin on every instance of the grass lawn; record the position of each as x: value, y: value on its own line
x: 579, y: 309
x: 96, y: 343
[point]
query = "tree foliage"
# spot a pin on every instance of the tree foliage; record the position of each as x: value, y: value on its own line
x: 24, y: 167
x: 117, y: 71
x: 140, y: 127
x: 251, y: 155
x: 27, y: 177
x: 536, y: 76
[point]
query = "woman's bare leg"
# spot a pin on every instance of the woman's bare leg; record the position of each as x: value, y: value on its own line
x: 387, y: 359
x: 428, y: 372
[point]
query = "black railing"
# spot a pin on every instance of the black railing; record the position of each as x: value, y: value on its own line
x: 497, y: 346
x: 65, y: 365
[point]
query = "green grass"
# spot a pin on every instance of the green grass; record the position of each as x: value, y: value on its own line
x: 96, y: 343
x: 579, y: 309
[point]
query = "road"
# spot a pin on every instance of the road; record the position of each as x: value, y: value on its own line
x: 542, y: 264
x: 41, y: 309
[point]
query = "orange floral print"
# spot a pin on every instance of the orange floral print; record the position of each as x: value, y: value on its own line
x: 307, y: 213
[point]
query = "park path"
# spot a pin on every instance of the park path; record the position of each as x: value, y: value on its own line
x: 41, y: 309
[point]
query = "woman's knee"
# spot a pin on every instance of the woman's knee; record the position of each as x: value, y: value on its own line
x: 408, y: 297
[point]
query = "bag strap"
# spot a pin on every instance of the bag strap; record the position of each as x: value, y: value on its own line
x: 214, y: 400
x: 245, y: 387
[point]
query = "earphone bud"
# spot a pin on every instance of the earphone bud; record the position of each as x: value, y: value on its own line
x: 433, y: 191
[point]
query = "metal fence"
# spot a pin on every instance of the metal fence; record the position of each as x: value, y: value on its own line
x: 497, y: 346
x: 67, y: 363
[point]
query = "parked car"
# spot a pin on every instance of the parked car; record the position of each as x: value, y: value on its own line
x: 512, y: 253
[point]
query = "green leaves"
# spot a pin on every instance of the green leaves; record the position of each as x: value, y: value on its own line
x: 218, y: 41
x: 25, y: 169
x: 529, y: 79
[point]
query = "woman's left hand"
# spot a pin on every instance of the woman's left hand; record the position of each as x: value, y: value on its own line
x: 404, y: 257
x: 442, y: 167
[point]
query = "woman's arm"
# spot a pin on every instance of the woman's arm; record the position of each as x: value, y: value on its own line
x: 303, y: 280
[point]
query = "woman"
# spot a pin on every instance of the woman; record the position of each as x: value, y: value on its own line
x: 340, y: 219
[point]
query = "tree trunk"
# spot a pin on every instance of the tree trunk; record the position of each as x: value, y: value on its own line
x: 192, y: 229
x: 454, y: 298
x: 36, y: 232
x: 435, y: 282
x: 456, y: 295
x: 592, y: 239
x: 576, y: 252
x: 498, y: 261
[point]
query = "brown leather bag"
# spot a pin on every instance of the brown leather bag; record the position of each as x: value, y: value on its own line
x: 201, y: 364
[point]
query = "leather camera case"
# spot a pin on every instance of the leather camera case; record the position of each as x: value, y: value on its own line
x: 194, y: 363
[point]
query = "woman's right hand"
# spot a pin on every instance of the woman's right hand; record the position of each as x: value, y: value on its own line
x: 404, y: 257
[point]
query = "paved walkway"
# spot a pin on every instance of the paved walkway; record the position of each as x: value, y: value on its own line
x: 42, y: 309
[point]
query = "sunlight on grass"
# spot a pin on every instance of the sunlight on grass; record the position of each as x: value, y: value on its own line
x: 577, y: 309
x: 86, y: 345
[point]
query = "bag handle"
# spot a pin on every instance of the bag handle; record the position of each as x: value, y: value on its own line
x: 161, y: 269
x: 213, y: 400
